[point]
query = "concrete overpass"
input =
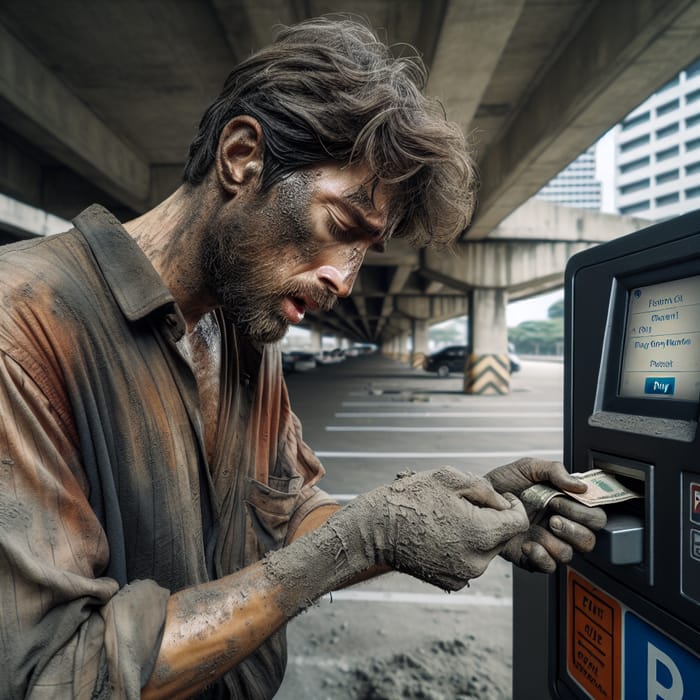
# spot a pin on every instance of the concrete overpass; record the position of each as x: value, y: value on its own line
x: 99, y: 100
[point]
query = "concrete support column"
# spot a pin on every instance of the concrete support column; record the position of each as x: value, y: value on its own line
x: 396, y: 347
x: 488, y: 368
x: 404, y: 355
x: 316, y: 339
x: 419, y: 331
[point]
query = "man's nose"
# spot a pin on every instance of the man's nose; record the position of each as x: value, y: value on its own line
x: 337, y: 281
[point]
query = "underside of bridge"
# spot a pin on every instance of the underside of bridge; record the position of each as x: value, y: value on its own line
x: 99, y: 101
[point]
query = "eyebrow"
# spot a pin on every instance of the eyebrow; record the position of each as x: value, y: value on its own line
x: 359, y: 198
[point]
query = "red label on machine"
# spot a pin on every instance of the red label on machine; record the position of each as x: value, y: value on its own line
x: 695, y: 502
x: 593, y: 639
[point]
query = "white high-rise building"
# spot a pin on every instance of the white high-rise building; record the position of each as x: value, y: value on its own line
x: 657, y: 151
x: 576, y: 185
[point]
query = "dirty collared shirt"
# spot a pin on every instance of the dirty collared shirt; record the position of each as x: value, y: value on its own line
x: 108, y: 500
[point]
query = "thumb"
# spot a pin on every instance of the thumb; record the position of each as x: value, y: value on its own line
x: 567, y: 482
x: 516, y: 517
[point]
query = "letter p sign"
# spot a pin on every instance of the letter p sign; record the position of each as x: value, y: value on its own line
x: 672, y: 671
x: 664, y: 680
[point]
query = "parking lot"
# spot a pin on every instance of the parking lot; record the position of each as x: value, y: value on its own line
x: 369, y: 418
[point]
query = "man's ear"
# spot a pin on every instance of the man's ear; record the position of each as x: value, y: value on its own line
x: 239, y: 157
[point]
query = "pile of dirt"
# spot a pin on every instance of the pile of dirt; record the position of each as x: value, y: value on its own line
x: 456, y: 669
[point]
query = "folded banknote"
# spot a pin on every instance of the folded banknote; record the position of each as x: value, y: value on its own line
x: 603, y: 489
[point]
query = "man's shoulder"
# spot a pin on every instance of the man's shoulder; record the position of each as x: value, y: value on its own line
x: 44, y: 267
x: 39, y: 252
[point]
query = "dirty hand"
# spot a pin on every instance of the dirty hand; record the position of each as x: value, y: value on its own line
x: 570, y: 528
x: 442, y: 526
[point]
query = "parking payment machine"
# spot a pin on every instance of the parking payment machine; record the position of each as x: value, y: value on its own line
x: 624, y: 621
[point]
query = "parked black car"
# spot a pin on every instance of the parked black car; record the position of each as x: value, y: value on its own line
x: 453, y: 359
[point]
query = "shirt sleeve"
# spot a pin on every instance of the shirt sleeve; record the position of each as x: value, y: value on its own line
x: 65, y: 630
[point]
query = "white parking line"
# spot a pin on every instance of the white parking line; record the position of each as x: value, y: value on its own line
x: 343, y: 497
x: 326, y: 454
x: 435, y: 429
x: 444, y: 404
x: 441, y: 599
x: 445, y: 414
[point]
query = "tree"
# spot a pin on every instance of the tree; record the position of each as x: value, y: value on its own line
x: 556, y: 310
x: 538, y: 337
x: 448, y: 333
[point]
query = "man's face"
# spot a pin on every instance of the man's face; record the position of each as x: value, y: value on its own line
x: 269, y: 258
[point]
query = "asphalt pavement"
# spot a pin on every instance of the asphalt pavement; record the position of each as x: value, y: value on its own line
x: 369, y: 418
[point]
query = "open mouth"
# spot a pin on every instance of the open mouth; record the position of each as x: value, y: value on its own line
x: 294, y: 309
x: 300, y: 305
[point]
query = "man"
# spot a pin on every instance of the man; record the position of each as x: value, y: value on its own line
x: 159, y: 515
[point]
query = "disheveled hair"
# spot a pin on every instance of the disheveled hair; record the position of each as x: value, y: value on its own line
x: 328, y: 89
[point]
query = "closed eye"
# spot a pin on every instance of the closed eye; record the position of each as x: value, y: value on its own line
x: 354, y: 233
x: 338, y: 232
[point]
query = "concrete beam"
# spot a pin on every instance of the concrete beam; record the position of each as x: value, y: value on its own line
x: 623, y: 52
x: 35, y: 104
x: 473, y: 36
x: 360, y: 303
x: 499, y: 264
x: 433, y: 309
x: 20, y: 175
x: 398, y: 253
x: 398, y: 279
x: 249, y: 24
x: 432, y: 287
x: 539, y: 220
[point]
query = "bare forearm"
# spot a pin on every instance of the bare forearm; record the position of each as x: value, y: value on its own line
x: 212, y: 627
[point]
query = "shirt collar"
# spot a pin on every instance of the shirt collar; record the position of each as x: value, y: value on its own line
x: 137, y: 287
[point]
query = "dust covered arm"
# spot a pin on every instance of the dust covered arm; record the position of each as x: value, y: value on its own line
x: 443, y: 527
x: 570, y: 527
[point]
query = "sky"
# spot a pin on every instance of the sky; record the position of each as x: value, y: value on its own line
x: 533, y: 309
x: 605, y: 171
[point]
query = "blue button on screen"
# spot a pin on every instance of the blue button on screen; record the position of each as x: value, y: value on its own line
x: 660, y: 385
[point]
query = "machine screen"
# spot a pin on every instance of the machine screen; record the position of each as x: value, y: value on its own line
x: 661, y: 356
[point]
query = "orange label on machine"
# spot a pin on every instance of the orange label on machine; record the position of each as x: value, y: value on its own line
x: 593, y: 638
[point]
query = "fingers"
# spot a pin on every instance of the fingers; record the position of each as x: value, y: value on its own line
x: 475, y: 489
x: 482, y: 494
x: 561, y: 478
x: 523, y: 473
x: 529, y: 555
x: 499, y: 526
x: 543, y: 550
x: 592, y: 518
x: 538, y: 550
x: 578, y: 536
x: 535, y: 557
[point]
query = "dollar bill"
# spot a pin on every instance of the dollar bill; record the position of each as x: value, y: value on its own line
x: 537, y: 497
x: 603, y: 489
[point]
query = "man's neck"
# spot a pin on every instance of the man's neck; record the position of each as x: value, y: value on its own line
x: 170, y: 236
